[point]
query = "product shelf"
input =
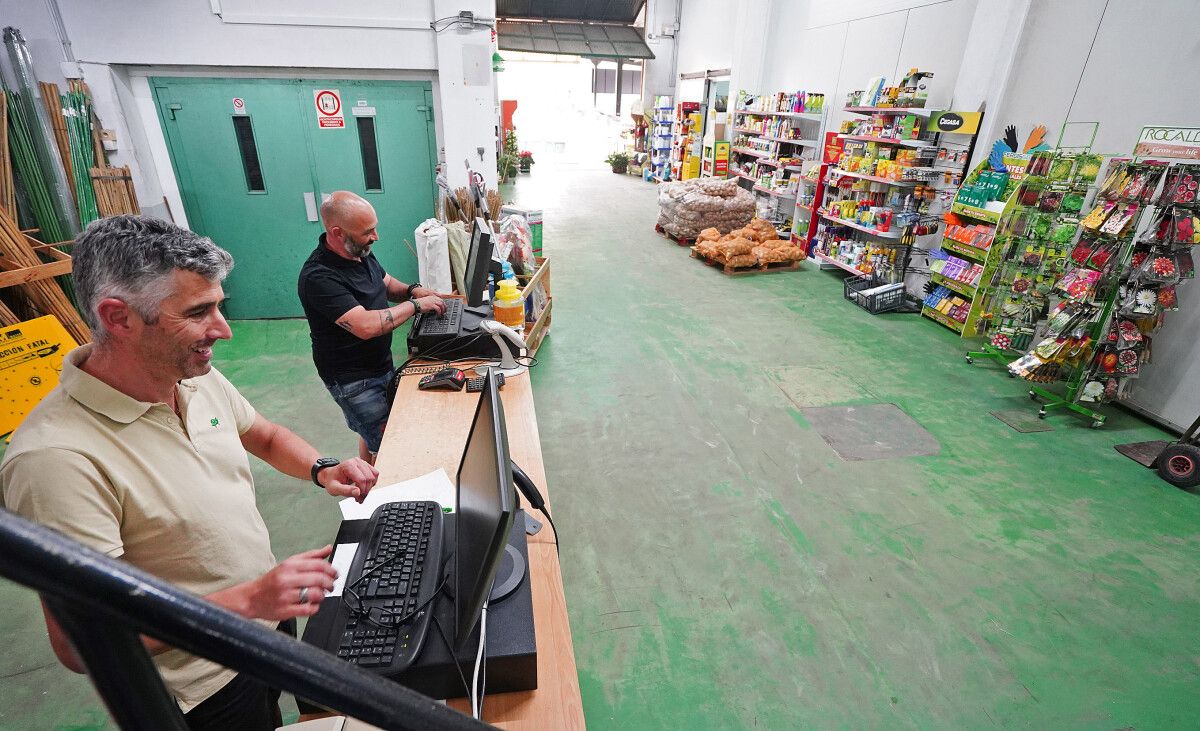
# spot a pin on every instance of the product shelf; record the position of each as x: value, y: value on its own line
x: 970, y: 252
x: 887, y: 140
x: 922, y: 111
x: 864, y: 229
x: 938, y: 317
x: 750, y: 152
x: 777, y: 194
x: 839, y: 264
x: 874, y: 178
x: 803, y: 143
x: 954, y: 285
x: 791, y: 115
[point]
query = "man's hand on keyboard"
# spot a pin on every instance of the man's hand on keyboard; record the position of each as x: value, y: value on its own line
x: 430, y: 303
x: 352, y: 478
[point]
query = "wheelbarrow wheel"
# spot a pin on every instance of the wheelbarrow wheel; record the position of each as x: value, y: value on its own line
x: 1179, y: 464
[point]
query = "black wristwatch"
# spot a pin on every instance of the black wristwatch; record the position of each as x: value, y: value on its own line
x: 320, y: 464
x: 411, y: 287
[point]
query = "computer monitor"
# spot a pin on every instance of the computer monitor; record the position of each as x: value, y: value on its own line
x: 478, y: 262
x: 486, y: 508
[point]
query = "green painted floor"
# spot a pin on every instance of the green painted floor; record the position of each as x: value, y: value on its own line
x: 724, y: 568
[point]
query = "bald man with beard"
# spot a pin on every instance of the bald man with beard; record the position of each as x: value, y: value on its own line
x: 346, y: 296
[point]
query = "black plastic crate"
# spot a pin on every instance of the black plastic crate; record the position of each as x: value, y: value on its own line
x: 855, y: 291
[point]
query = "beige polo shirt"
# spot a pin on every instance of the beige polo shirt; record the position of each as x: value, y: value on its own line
x: 171, y: 496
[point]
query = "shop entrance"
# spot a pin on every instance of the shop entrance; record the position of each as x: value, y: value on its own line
x: 253, y: 158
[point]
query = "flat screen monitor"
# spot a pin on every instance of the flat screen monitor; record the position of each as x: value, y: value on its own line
x: 486, y: 508
x: 479, y: 260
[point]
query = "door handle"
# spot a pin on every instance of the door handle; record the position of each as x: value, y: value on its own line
x: 310, y: 206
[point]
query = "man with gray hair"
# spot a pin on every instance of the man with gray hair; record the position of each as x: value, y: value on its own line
x: 346, y: 295
x: 140, y: 452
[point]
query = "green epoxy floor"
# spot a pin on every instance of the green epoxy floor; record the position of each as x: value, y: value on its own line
x: 724, y: 568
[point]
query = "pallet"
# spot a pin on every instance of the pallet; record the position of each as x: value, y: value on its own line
x: 678, y: 240
x: 770, y: 267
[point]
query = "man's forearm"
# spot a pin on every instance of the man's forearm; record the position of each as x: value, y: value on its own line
x: 393, y: 317
x: 288, y: 453
x: 396, y: 290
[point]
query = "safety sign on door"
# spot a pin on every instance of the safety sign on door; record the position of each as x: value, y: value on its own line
x: 329, y: 108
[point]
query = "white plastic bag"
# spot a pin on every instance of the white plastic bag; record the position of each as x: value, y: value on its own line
x: 433, y: 256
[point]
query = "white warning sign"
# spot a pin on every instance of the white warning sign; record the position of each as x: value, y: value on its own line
x: 329, y: 108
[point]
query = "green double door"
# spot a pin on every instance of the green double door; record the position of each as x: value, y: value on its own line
x: 255, y: 157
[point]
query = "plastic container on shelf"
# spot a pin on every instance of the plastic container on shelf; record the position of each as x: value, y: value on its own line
x: 508, y: 307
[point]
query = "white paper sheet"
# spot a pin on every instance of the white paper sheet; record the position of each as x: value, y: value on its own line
x: 343, y: 558
x: 435, y: 486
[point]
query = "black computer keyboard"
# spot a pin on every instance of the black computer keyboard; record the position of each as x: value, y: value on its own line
x: 446, y: 323
x: 393, y: 578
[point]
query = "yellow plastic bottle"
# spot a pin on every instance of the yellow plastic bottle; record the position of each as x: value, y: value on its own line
x: 508, y: 307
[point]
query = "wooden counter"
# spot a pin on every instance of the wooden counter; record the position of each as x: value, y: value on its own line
x: 427, y: 430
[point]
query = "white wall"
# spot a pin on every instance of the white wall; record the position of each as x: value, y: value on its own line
x: 834, y: 48
x: 658, y: 73
x: 706, y: 35
x: 186, y: 32
x: 1141, y: 68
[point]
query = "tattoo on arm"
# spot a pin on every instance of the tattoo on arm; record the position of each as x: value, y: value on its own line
x: 345, y: 325
x: 386, y: 321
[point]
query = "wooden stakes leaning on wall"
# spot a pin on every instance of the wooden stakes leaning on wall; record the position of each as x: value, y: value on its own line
x: 114, y: 191
x: 463, y: 196
x: 8, y: 197
x: 52, y: 101
x: 18, y: 256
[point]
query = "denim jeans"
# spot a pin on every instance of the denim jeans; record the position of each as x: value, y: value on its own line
x: 364, y: 404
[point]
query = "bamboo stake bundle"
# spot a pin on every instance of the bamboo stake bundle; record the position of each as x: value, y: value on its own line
x: 45, y: 294
x: 79, y: 127
x: 52, y: 100
x: 114, y: 191
x: 8, y: 193
x: 463, y: 196
x: 34, y: 180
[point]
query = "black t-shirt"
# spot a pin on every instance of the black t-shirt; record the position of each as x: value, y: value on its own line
x: 329, y: 287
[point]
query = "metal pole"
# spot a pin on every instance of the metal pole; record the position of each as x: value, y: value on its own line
x: 120, y: 669
x: 620, y: 65
x: 61, y: 568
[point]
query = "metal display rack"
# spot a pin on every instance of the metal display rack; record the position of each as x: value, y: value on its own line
x: 904, y: 194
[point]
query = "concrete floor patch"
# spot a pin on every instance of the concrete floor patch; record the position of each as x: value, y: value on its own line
x: 871, y: 431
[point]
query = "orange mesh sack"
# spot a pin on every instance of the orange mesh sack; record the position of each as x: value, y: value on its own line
x: 737, y: 247
x: 742, y: 260
x: 766, y: 256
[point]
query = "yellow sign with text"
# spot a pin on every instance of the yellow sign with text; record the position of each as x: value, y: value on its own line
x: 31, y: 356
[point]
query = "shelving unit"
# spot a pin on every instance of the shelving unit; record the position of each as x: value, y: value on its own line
x: 685, y: 140
x: 660, y: 139
x: 886, y: 184
x: 1020, y: 273
x: 772, y: 141
x: 714, y: 159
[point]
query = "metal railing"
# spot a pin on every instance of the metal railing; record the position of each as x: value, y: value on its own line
x: 104, y: 604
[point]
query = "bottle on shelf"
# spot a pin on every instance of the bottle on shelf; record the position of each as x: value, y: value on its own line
x: 509, y: 307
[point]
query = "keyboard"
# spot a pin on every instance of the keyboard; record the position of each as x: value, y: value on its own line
x: 394, y: 574
x: 444, y: 324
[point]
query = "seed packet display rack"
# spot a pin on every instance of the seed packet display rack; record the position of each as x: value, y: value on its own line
x: 1159, y: 261
x: 1033, y: 238
x: 969, y: 268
